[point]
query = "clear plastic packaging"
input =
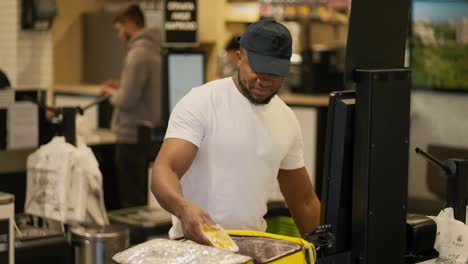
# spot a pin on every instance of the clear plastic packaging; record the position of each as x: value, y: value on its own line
x: 164, y: 251
x: 219, y: 238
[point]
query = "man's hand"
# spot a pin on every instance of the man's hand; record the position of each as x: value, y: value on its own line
x: 115, y: 84
x: 110, y: 87
x: 106, y: 90
x: 193, y: 218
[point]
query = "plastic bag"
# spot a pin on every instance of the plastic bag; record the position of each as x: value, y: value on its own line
x: 451, y: 239
x: 94, y: 200
x: 49, y: 177
x: 64, y: 183
x: 219, y: 238
x: 164, y: 251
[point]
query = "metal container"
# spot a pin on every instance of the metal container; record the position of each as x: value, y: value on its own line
x: 97, y: 245
x: 7, y: 239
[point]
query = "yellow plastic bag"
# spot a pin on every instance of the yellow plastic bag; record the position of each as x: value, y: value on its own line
x: 219, y: 238
x: 304, y: 256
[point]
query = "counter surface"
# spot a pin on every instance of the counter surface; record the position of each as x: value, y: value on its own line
x: 107, y: 137
x: 100, y: 137
x: 293, y: 99
x: 94, y: 89
x: 316, y: 100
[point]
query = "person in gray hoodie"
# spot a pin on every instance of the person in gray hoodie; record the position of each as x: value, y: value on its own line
x: 137, y: 98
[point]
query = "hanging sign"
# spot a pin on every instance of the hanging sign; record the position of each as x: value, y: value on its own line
x: 180, y: 23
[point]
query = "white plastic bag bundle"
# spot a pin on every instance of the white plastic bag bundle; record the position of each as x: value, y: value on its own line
x: 451, y: 239
x: 95, y: 211
x: 64, y: 183
x: 49, y: 171
x: 164, y: 251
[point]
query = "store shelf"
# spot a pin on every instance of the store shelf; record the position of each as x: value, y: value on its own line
x: 241, y: 12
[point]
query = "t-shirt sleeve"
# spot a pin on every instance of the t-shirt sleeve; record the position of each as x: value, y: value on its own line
x: 189, y: 118
x: 294, y: 158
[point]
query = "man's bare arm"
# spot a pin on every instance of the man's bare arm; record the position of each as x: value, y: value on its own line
x: 301, y: 198
x: 174, y: 159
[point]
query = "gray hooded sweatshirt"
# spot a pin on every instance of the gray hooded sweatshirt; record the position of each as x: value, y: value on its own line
x: 139, y: 98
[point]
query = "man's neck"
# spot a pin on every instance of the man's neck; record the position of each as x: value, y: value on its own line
x: 236, y: 82
x: 135, y: 32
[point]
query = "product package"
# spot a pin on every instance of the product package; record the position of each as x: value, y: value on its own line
x: 219, y: 238
x: 164, y: 251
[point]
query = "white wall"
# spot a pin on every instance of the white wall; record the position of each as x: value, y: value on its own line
x: 25, y: 56
x: 9, y: 21
x: 436, y: 118
x: 35, y: 59
x: 307, y: 117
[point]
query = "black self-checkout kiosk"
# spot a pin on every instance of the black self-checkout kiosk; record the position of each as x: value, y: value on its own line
x: 365, y: 181
x: 339, y: 197
x: 338, y: 171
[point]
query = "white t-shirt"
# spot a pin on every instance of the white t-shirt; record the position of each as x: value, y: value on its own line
x: 241, y: 147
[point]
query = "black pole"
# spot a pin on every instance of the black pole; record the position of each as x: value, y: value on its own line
x: 456, y: 171
x: 68, y: 124
x: 446, y: 168
x: 96, y: 102
x: 457, y: 188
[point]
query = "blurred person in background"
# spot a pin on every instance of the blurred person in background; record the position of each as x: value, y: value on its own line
x: 228, y: 58
x: 136, y: 98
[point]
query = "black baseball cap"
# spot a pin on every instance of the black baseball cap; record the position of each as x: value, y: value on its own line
x: 268, y: 44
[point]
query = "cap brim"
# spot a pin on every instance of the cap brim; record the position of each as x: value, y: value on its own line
x: 266, y: 64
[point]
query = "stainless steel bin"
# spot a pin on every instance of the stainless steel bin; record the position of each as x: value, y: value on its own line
x: 97, y: 245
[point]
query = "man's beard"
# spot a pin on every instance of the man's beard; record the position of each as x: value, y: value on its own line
x: 248, y: 94
x: 127, y: 37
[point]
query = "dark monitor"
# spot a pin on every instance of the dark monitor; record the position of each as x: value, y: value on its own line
x: 376, y: 36
x: 4, y: 81
x: 337, y: 188
x: 38, y: 14
x: 185, y: 70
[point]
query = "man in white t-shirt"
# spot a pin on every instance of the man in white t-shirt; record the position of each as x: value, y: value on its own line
x: 230, y: 140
